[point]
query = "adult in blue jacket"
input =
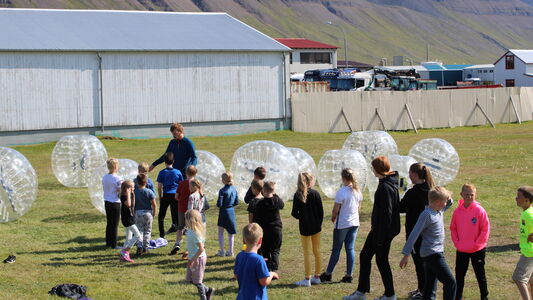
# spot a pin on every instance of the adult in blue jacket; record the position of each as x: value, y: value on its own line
x: 181, y: 147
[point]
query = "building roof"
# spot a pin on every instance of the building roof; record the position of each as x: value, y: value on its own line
x: 102, y: 30
x: 524, y: 55
x: 481, y: 66
x: 299, y: 43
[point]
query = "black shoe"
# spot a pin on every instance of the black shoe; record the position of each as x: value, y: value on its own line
x: 347, y: 279
x: 210, y: 291
x: 325, y: 277
x: 139, y: 252
x: 10, y: 259
x: 145, y: 251
x: 172, y: 229
x: 175, y: 250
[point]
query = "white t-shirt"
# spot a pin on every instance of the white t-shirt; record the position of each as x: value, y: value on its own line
x: 349, y: 200
x: 111, y: 183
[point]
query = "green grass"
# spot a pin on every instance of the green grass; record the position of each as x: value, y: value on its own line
x: 60, y: 240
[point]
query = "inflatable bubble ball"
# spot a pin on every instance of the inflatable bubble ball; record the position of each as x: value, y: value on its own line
x: 18, y: 185
x: 127, y: 169
x: 371, y: 183
x: 280, y: 164
x: 305, y: 162
x: 333, y: 162
x: 440, y: 156
x: 210, y: 169
x: 371, y: 144
x: 402, y: 164
x: 75, y: 157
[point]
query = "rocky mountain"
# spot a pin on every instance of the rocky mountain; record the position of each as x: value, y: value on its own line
x: 455, y: 31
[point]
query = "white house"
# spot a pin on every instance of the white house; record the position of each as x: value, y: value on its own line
x: 131, y: 73
x: 485, y: 73
x: 310, y: 55
x: 514, y: 68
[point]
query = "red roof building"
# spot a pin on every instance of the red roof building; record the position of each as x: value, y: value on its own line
x: 310, y: 55
x: 299, y: 43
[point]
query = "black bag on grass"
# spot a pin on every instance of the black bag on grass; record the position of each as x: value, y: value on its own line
x: 69, y: 290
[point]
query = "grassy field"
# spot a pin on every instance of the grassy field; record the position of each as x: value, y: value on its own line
x: 60, y: 240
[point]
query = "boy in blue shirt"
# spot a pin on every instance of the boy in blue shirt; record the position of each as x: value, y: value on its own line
x: 145, y: 210
x: 250, y: 268
x: 167, y: 184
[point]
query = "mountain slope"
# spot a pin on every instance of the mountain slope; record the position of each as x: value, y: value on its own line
x: 457, y: 31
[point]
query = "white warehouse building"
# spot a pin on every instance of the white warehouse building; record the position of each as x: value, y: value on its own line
x: 131, y: 74
x: 514, y: 68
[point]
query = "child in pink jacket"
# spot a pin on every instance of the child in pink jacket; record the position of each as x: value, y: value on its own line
x: 470, y: 229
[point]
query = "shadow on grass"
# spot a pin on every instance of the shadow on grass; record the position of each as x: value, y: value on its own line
x: 82, y: 240
x: 503, y: 248
x: 77, y: 218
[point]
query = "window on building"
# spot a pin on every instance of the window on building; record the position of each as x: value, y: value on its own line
x: 484, y: 71
x: 509, y: 82
x: 509, y: 62
x: 479, y: 71
x: 491, y: 71
x: 315, y: 58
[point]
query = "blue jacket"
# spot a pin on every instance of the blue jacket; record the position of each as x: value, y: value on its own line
x: 184, y: 154
x: 227, y: 197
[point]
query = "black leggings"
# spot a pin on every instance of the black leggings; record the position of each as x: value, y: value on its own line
x: 112, y: 212
x: 270, y: 249
x: 382, y: 260
x: 166, y: 201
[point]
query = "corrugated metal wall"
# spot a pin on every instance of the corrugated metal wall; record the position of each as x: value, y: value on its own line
x: 60, y: 90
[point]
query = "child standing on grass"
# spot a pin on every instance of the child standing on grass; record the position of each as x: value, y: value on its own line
x: 413, y: 204
x: 345, y: 217
x: 307, y: 208
x: 142, y: 168
x: 259, y: 174
x: 227, y: 199
x: 167, y: 184
x: 524, y: 267
x: 111, y: 183
x: 266, y: 214
x: 127, y: 199
x: 197, y: 199
x: 182, y: 197
x: 470, y: 230
x: 250, y: 268
x: 145, y: 210
x: 257, y: 193
x: 197, y: 256
x: 430, y: 226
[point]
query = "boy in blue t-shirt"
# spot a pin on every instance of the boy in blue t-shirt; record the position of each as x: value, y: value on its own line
x: 167, y: 184
x: 145, y: 210
x: 250, y: 268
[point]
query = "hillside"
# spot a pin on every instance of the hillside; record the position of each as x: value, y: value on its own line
x: 457, y: 31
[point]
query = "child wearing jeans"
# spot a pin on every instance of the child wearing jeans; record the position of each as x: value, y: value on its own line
x: 111, y: 183
x: 127, y: 199
x: 470, y: 229
x: 197, y: 256
x: 524, y: 267
x: 227, y: 199
x: 145, y: 210
x: 250, y: 268
x: 430, y: 226
x: 266, y: 214
x: 307, y: 208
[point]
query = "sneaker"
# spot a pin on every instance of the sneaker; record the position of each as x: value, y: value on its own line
x: 229, y: 254
x: 185, y: 256
x: 303, y: 282
x: 357, y: 295
x: 220, y: 253
x: 125, y: 256
x: 10, y: 259
x: 393, y: 297
x: 210, y: 291
x: 325, y: 277
x: 315, y: 280
x: 139, y: 252
x: 172, y: 229
x: 415, y: 295
x: 175, y: 249
x: 347, y: 279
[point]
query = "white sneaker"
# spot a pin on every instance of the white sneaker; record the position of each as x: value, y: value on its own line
x: 220, y: 253
x: 303, y: 282
x: 357, y: 295
x: 393, y: 297
x: 315, y: 280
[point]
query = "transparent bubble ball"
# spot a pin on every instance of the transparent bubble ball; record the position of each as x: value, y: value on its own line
x: 305, y: 162
x: 402, y: 164
x: 18, y: 185
x: 127, y: 169
x: 371, y: 144
x: 371, y: 183
x: 333, y: 162
x: 279, y: 162
x: 210, y: 169
x: 75, y: 157
x: 440, y: 156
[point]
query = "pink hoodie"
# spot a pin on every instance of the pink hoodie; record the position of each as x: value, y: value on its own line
x: 470, y: 227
